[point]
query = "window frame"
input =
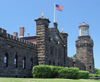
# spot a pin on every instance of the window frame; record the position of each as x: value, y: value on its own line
x: 6, y: 60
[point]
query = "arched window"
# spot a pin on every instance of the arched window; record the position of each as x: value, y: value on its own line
x: 6, y: 60
x: 15, y: 61
x: 31, y: 63
x: 24, y: 63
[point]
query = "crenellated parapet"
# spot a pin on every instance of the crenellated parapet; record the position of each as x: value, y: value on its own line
x: 15, y: 39
x: 2, y: 32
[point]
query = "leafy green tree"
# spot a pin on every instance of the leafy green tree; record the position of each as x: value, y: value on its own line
x: 74, y: 56
x: 96, y: 71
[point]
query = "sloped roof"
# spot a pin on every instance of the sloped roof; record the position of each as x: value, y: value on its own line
x: 28, y: 37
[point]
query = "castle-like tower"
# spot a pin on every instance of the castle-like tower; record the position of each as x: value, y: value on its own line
x: 84, y: 46
x: 51, y: 44
x: 41, y: 39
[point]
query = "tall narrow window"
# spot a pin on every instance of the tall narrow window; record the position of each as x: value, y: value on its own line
x: 53, y: 63
x: 61, y: 65
x: 89, y: 67
x: 24, y: 63
x: 55, y: 52
x: 58, y: 63
x: 73, y: 64
x: 51, y: 50
x: 6, y: 60
x: 49, y: 62
x: 15, y: 61
x: 31, y: 63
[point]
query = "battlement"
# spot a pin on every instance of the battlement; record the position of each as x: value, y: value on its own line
x: 15, y: 39
x: 2, y: 32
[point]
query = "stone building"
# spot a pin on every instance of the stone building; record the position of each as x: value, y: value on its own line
x: 84, y: 46
x: 48, y: 47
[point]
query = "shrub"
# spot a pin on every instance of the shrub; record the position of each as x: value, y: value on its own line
x: 55, y: 70
x: 94, y: 75
x: 41, y: 71
x: 96, y: 71
x: 83, y: 74
x: 70, y: 73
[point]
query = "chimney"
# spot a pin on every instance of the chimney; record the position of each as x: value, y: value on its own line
x: 15, y: 34
x: 21, y: 33
x: 55, y: 24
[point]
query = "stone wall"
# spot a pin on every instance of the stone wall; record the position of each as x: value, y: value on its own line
x: 51, y: 45
x: 12, y: 46
x: 79, y: 64
x: 69, y: 62
x: 73, y: 62
x: 50, y: 48
x: 57, y: 51
x: 85, y: 52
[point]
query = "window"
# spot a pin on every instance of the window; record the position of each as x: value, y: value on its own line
x: 51, y: 50
x: 58, y: 64
x: 61, y: 65
x: 31, y: 64
x: 73, y: 64
x: 89, y: 67
x: 6, y: 60
x: 15, y: 61
x: 55, y: 51
x: 59, y: 54
x: 49, y: 62
x: 24, y: 63
x: 53, y: 63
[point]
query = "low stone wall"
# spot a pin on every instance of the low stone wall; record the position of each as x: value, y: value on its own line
x: 72, y: 62
x: 69, y: 62
x: 79, y: 64
x: 96, y: 78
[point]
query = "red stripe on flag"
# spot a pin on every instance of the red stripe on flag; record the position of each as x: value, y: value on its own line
x: 60, y: 8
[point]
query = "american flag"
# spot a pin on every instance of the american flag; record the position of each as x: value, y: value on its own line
x: 59, y: 7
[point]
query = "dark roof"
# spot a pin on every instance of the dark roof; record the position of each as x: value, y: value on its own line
x: 28, y: 38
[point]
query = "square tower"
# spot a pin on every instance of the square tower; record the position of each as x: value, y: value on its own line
x: 41, y: 39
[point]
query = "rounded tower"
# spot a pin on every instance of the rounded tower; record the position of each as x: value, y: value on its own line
x: 84, y: 47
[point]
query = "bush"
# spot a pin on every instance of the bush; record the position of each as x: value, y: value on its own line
x: 70, y: 73
x: 55, y: 70
x: 96, y: 71
x: 94, y: 75
x: 41, y: 71
x: 83, y: 74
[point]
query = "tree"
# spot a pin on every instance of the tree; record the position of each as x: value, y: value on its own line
x: 74, y: 56
x: 96, y: 71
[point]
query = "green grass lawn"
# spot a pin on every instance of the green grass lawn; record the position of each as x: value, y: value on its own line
x: 44, y: 80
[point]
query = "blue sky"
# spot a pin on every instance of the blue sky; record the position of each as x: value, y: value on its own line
x: 16, y: 13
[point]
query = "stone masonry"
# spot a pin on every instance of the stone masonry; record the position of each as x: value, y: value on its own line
x: 48, y: 47
x: 12, y: 46
x: 84, y: 46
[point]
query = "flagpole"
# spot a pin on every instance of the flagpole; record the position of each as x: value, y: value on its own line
x: 54, y: 12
